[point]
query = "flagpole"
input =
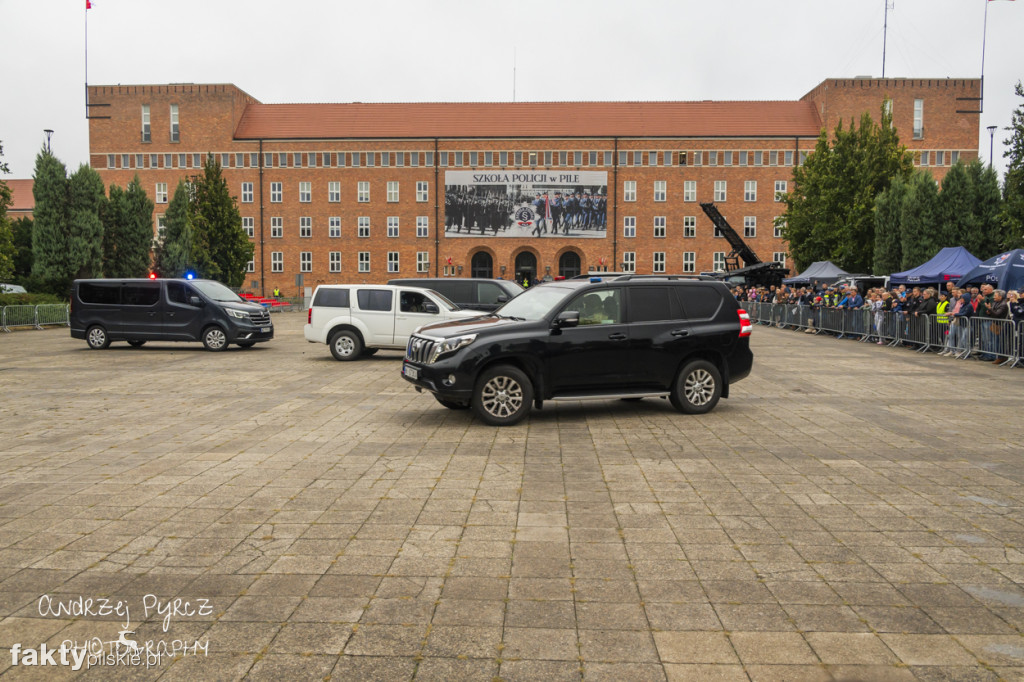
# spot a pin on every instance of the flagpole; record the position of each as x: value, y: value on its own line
x: 87, y: 60
x: 984, y: 37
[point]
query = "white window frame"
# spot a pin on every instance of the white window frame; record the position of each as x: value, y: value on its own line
x: 629, y: 261
x: 247, y: 192
x: 659, y: 262
x: 251, y: 266
x: 779, y: 226
x: 305, y: 261
x: 334, y: 192
x: 276, y: 192
x: 392, y: 227
x: 277, y: 228
x: 422, y: 226
x: 277, y: 261
x: 749, y: 227
x: 422, y: 261
x: 660, y: 190
x: 363, y: 227
x: 689, y: 261
x: 689, y: 190
x: 721, y: 190
x: 161, y: 192
x: 750, y: 190
x: 393, y: 262
x: 147, y: 133
x: 249, y: 226
x: 305, y: 227
x: 629, y: 190
x: 718, y: 261
x: 334, y: 259
x: 779, y: 257
x: 423, y: 191
x: 175, y: 131
x: 364, y: 261
x: 659, y: 227
x: 781, y: 187
x: 628, y: 226
x: 392, y: 194
x: 689, y: 227
x: 334, y: 227
x: 363, y: 192
x: 918, y: 119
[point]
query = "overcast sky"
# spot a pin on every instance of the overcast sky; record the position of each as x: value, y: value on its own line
x: 464, y: 50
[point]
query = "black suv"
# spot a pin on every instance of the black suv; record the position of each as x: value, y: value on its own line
x: 629, y: 337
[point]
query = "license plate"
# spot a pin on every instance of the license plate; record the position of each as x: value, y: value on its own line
x: 410, y: 372
x: 265, y: 329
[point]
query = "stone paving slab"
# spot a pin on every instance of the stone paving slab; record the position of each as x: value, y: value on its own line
x: 850, y: 513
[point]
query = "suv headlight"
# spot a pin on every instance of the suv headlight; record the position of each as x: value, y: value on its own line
x: 237, y: 313
x: 446, y: 346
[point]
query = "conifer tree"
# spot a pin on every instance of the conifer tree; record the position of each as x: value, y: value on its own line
x: 129, y: 239
x: 179, y: 251
x: 918, y: 220
x: 51, y: 258
x: 888, y: 234
x: 1012, y: 216
x: 7, y: 248
x: 86, y: 201
x: 218, y: 225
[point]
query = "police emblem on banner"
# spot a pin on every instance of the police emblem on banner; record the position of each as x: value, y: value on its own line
x: 524, y: 216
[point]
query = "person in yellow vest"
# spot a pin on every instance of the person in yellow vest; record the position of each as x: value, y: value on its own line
x: 942, y: 322
x: 526, y: 282
x: 277, y: 292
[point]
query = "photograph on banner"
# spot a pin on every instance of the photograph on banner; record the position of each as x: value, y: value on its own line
x: 526, y: 204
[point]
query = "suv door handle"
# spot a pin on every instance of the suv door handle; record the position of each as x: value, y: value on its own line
x: 680, y: 332
x: 617, y: 337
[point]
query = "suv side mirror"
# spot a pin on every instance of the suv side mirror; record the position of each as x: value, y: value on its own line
x: 430, y: 309
x: 196, y: 301
x: 566, y: 319
x: 502, y: 298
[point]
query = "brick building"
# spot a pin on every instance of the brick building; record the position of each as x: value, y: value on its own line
x: 366, y: 192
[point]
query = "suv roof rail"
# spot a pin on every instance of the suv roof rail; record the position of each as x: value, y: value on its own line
x: 702, y: 278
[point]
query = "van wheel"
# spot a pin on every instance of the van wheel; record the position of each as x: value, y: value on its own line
x: 502, y: 396
x: 246, y: 344
x: 136, y: 343
x: 97, y: 338
x: 346, y: 345
x: 215, y: 339
x: 697, y: 388
x: 451, y: 404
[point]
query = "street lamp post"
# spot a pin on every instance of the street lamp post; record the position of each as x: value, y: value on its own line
x: 991, y: 142
x: 48, y: 133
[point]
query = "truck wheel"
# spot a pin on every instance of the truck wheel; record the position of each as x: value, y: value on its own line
x: 346, y: 345
x: 97, y: 338
x: 214, y: 339
x: 136, y: 343
x: 697, y: 388
x: 502, y: 396
x: 451, y: 404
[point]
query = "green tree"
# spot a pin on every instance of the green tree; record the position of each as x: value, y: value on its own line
x: 987, y: 234
x: 128, y: 240
x: 918, y: 220
x: 888, y: 234
x: 1012, y: 216
x: 956, y: 208
x: 7, y: 249
x: 218, y: 226
x: 22, y: 229
x: 178, y: 250
x: 51, y: 257
x: 830, y: 213
x: 86, y: 201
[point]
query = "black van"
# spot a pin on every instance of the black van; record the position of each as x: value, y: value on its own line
x: 470, y: 293
x: 140, y: 310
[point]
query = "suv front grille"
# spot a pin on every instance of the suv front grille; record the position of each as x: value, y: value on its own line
x: 260, y: 318
x: 419, y: 350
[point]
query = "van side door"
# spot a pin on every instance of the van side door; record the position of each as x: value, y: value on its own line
x: 141, y: 312
x: 183, y: 319
x: 377, y: 313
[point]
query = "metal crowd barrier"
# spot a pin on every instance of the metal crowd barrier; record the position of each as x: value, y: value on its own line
x: 35, y: 316
x: 996, y: 339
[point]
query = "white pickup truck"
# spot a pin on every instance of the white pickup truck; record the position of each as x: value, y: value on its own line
x: 359, y: 319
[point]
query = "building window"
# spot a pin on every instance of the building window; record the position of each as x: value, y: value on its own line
x: 363, y: 226
x: 175, y: 131
x: 629, y: 261
x: 306, y: 261
x: 392, y: 226
x: 660, y: 190
x: 362, y: 192
x: 629, y: 190
x: 354, y: 158
x: 249, y: 225
x: 954, y: 156
x: 788, y: 158
x: 502, y: 158
x: 111, y: 160
x: 161, y: 226
x: 251, y: 266
x: 779, y: 226
x: 414, y: 159
x: 659, y: 226
x: 923, y: 158
x: 146, y: 133
x: 749, y: 226
x: 488, y: 159
x: 726, y: 158
x: 246, y: 192
x: 577, y: 158
x: 161, y: 192
x: 277, y: 261
x: 334, y: 261
x: 713, y: 158
x: 126, y: 161
x: 940, y: 158
x: 718, y: 262
x: 689, y: 261
x: 422, y: 261
x: 385, y: 159
x: 276, y: 192
x: 458, y: 159
x: 773, y: 158
x: 311, y: 159
x: 392, y: 192
x: 918, y: 119
x: 629, y: 226
x: 364, y: 261
x: 720, y: 187
x: 518, y: 158
x: 392, y: 261
x: 225, y: 160
x: 593, y: 158
x: 297, y: 159
x: 638, y: 158
x: 305, y: 192
x: 306, y: 226
x: 780, y: 189
x: 779, y: 257
x: 333, y: 192
x: 276, y: 228
x: 608, y: 158
x: 334, y: 227
x: 742, y: 158
x: 422, y: 226
x: 326, y: 159
x: 758, y: 158
x: 689, y: 226
x: 422, y: 189
x: 659, y: 261
x: 690, y: 190
x: 750, y: 190
x: 197, y: 160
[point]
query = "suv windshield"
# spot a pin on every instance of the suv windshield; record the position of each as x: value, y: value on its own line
x: 216, y: 291
x: 535, y: 303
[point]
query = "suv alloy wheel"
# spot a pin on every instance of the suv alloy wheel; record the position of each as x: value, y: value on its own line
x: 697, y: 388
x: 503, y: 395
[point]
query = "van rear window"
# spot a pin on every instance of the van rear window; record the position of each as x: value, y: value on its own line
x: 140, y: 294
x: 331, y: 298
x: 104, y: 293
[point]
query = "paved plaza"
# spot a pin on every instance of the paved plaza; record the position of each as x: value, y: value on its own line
x: 852, y: 512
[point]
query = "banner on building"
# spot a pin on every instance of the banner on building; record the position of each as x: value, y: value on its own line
x: 526, y: 203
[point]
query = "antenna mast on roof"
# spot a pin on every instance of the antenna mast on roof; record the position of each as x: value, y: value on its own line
x: 513, y: 74
x: 889, y: 4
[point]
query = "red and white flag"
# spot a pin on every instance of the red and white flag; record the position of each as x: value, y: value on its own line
x: 88, y: 4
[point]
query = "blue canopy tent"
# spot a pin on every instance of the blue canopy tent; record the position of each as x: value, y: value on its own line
x: 1005, y: 271
x: 949, y: 264
x: 822, y: 271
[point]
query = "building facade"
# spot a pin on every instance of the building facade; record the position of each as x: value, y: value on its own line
x: 367, y: 192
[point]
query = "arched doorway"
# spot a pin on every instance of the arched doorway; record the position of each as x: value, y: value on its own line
x: 526, y: 267
x: 569, y: 264
x: 481, y: 265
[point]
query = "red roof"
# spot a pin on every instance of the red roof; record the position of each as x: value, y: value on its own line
x: 529, y: 119
x: 23, y: 199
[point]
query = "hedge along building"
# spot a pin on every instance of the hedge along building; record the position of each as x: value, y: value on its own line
x: 366, y: 192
